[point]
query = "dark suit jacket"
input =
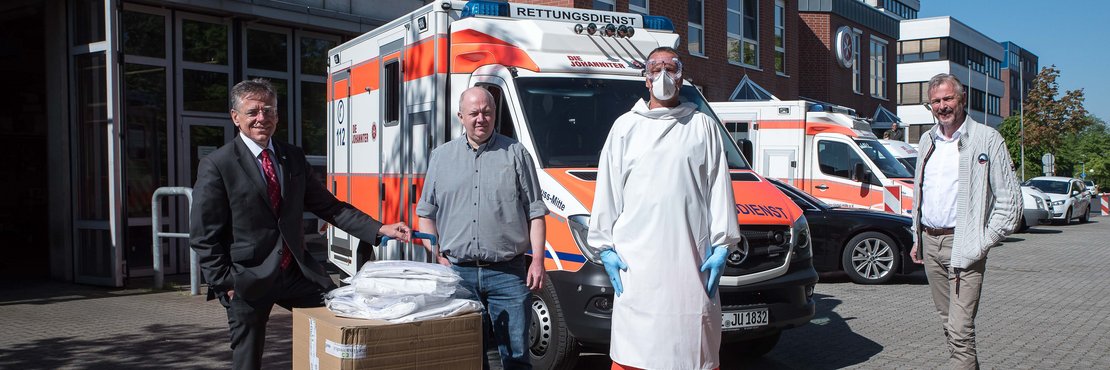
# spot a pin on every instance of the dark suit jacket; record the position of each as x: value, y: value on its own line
x: 235, y: 231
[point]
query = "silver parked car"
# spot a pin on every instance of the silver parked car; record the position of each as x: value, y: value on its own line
x: 1070, y: 198
x: 1038, y: 207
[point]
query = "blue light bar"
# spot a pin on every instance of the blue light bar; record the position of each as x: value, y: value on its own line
x: 487, y: 8
x: 658, y: 22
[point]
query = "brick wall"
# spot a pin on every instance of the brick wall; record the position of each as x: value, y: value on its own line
x: 822, y: 77
x: 717, y: 77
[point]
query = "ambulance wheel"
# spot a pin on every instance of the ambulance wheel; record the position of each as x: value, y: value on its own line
x: 871, y: 258
x: 549, y: 342
x: 1086, y: 217
x: 1023, y: 226
x: 755, y: 348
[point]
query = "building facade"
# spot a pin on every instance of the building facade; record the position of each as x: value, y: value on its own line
x: 123, y: 97
x: 1019, y: 68
x: 863, y: 81
x: 935, y: 45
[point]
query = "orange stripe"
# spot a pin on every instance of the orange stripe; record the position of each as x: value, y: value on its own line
x: 779, y: 125
x: 860, y: 195
x: 471, y: 49
x: 816, y: 128
x: 578, y: 188
x: 558, y: 235
x: 420, y: 58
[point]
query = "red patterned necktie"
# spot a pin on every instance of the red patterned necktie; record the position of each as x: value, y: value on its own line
x: 273, y: 189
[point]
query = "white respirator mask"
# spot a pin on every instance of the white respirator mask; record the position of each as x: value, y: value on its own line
x: 663, y: 85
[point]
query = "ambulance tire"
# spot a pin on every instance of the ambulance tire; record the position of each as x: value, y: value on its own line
x: 549, y: 341
x: 755, y: 348
x: 1023, y: 226
x: 874, y: 253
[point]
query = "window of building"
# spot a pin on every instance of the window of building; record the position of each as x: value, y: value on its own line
x: 743, y: 32
x: 695, y: 33
x: 604, y: 5
x: 204, y: 47
x: 975, y: 99
x: 638, y: 6
x: 780, y: 37
x: 919, y: 50
x: 878, y: 68
x: 857, y: 77
x: 994, y: 104
x: 899, y: 9
x: 912, y: 93
x: 313, y: 65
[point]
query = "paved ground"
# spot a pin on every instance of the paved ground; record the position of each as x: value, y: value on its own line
x: 1046, y: 304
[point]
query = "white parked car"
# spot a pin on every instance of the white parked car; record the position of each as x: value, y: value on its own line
x: 1038, y: 207
x: 1070, y: 198
x: 1091, y: 187
x: 903, y: 152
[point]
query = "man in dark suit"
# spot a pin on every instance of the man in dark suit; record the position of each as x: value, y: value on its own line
x: 246, y: 223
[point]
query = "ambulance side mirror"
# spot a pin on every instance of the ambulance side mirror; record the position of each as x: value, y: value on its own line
x: 746, y: 149
x: 861, y: 174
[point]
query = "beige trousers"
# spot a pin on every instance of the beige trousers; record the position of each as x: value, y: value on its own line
x: 957, y: 306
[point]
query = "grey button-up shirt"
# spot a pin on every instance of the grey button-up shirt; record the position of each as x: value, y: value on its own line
x: 482, y: 199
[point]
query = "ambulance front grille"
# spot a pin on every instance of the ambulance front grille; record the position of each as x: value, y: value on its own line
x: 767, y: 248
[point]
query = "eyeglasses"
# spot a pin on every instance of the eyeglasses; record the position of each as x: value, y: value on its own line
x: 673, y: 67
x: 268, y: 111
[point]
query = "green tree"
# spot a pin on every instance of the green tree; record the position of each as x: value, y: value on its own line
x: 1049, y: 116
x: 1053, y: 123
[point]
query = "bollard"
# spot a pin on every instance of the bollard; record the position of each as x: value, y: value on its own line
x: 157, y: 235
x: 1104, y: 198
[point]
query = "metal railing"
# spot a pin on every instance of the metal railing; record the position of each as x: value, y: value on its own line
x: 157, y: 234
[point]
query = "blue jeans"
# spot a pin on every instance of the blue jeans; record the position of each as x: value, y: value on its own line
x: 501, y: 289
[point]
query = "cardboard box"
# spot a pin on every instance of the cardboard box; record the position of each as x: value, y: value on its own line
x: 322, y: 340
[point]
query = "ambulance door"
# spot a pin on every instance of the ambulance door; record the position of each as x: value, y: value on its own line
x: 843, y: 177
x: 396, y: 139
x: 339, y: 159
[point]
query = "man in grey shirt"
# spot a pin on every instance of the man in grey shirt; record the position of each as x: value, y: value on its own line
x: 482, y: 199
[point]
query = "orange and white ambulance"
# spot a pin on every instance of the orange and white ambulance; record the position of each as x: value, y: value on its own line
x: 823, y: 150
x: 561, y: 77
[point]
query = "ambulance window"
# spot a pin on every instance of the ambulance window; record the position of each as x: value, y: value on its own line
x: 504, y: 115
x: 837, y: 159
x: 391, y: 93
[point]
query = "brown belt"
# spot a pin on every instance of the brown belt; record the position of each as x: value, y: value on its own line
x: 940, y: 231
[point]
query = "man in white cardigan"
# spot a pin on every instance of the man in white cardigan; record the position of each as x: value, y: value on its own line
x: 967, y: 200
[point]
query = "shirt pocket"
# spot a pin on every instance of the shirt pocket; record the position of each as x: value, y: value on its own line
x: 501, y: 185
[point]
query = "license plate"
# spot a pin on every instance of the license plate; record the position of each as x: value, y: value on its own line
x: 744, y: 319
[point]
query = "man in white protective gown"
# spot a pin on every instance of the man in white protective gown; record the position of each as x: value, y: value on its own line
x: 662, y: 220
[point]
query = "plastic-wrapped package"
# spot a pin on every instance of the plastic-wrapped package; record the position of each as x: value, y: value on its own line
x: 401, y: 291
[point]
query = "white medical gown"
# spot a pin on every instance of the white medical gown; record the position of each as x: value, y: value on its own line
x: 663, y: 198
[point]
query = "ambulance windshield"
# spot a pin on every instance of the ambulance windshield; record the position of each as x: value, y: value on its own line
x: 569, y: 118
x: 890, y: 166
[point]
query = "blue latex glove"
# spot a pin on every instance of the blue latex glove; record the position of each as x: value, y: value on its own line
x: 715, y: 264
x: 612, y: 263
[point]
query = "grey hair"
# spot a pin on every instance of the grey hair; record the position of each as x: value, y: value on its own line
x: 259, y: 87
x: 949, y: 79
x: 489, y: 97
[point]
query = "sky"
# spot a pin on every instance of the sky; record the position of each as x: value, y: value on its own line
x: 1072, y: 34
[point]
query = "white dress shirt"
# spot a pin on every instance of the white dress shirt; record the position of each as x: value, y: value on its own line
x: 940, y: 183
x: 256, y: 150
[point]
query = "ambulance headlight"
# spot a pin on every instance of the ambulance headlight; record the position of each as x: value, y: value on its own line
x: 579, y: 229
x: 800, y: 239
x: 578, y: 28
x: 591, y: 29
x: 610, y: 30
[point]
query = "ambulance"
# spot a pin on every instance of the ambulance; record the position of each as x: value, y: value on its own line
x: 822, y: 149
x: 560, y: 77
